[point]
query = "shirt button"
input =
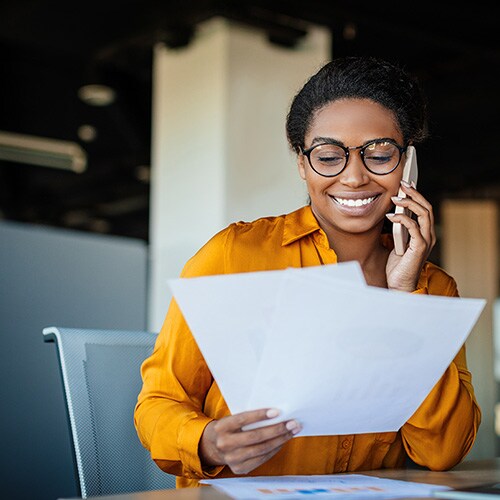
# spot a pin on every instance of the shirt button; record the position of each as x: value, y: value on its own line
x: 345, y: 444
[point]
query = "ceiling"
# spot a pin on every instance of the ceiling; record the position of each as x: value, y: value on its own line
x: 50, y: 49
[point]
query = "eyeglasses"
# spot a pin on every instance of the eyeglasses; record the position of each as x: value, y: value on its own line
x: 380, y: 157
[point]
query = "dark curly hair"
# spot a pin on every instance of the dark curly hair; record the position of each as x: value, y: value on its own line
x: 360, y: 78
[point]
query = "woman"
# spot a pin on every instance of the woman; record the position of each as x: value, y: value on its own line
x: 350, y: 126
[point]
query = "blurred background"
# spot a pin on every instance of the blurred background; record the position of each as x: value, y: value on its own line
x: 51, y: 50
x: 130, y: 132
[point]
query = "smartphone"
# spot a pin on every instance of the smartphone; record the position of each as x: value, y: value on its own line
x: 410, y: 174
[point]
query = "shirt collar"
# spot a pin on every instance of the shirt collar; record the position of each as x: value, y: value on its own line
x: 302, y: 222
x: 298, y: 224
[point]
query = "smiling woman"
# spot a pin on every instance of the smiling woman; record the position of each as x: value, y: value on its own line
x: 350, y: 125
x: 352, y: 201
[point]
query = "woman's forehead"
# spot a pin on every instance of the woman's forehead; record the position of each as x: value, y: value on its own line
x: 353, y: 118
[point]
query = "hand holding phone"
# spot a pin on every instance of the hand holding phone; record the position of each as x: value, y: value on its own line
x: 410, y: 175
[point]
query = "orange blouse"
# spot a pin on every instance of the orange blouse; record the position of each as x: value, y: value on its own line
x: 179, y: 396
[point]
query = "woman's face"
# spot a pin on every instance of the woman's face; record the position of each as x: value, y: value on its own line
x: 351, y: 122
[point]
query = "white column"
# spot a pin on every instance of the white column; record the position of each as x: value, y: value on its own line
x: 219, y: 150
x: 470, y: 254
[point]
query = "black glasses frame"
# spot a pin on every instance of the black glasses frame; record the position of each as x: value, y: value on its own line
x: 362, y: 148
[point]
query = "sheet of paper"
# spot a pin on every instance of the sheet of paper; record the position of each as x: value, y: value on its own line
x: 332, y: 486
x: 320, y: 345
x: 347, y: 360
x: 229, y: 317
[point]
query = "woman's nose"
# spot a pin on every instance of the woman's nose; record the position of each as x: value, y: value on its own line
x: 355, y: 173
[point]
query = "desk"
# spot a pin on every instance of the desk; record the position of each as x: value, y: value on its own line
x: 464, y: 474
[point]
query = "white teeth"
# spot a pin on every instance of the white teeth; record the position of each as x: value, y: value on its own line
x: 354, y: 203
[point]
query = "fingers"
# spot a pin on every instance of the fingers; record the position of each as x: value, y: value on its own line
x: 243, y: 459
x: 259, y: 435
x: 237, y: 422
x: 425, y: 217
x: 403, y: 272
x: 224, y: 441
x: 423, y: 226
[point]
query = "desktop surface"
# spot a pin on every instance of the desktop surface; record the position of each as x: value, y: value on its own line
x: 469, y: 473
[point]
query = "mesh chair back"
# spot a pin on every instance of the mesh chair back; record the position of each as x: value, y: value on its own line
x: 101, y: 377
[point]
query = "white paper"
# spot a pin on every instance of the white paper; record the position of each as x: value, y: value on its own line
x: 332, y: 486
x: 368, y: 357
x: 229, y: 317
x: 318, y: 344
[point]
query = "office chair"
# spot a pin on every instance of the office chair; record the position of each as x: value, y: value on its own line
x: 101, y: 378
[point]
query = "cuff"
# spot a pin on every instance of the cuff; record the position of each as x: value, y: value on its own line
x: 188, y: 441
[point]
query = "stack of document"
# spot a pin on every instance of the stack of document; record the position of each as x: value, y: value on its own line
x: 323, y: 347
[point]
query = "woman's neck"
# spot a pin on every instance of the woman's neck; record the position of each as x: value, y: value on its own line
x: 365, y: 248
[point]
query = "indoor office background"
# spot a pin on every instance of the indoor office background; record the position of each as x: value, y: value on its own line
x: 105, y: 191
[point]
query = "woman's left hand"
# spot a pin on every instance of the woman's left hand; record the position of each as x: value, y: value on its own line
x: 403, y: 271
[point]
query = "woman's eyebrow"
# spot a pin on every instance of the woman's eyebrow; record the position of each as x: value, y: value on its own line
x: 326, y: 140
x: 381, y: 139
x: 331, y: 140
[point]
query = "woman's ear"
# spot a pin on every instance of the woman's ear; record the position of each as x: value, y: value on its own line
x: 301, y: 163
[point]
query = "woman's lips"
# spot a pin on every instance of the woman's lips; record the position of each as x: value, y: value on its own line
x: 355, y: 205
x: 354, y: 202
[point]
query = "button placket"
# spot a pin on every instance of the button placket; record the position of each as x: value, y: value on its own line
x: 346, y: 447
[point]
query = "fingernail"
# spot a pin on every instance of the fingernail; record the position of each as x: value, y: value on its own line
x: 413, y: 185
x: 390, y: 215
x: 273, y: 412
x: 293, y: 426
x: 405, y: 184
x: 396, y: 198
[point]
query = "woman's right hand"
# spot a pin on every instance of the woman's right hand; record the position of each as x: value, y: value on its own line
x: 224, y: 442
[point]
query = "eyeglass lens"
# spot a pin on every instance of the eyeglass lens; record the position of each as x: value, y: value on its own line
x: 379, y: 157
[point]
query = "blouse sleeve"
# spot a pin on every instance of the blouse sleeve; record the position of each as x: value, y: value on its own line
x: 443, y: 429
x: 168, y: 415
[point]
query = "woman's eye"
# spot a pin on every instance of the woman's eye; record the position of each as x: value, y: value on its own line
x: 329, y: 158
x: 378, y: 158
